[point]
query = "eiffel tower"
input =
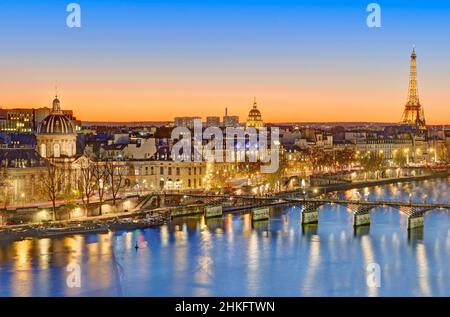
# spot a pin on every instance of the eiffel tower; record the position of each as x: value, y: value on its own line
x: 413, y: 113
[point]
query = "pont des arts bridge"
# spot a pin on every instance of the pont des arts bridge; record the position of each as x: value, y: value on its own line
x: 214, y: 205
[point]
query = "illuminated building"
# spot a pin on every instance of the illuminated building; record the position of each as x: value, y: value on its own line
x: 185, y: 121
x: 56, y: 135
x: 254, y: 118
x: 413, y: 113
x: 213, y: 121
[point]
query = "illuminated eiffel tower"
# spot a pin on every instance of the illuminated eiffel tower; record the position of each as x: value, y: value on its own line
x: 413, y: 113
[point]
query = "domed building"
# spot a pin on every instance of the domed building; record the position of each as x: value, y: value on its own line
x: 56, y: 135
x: 254, y: 118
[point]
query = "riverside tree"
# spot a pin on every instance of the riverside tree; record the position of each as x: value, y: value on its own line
x: 100, y: 176
x: 52, y: 182
x: 116, y: 172
x: 86, y: 182
x: 372, y: 162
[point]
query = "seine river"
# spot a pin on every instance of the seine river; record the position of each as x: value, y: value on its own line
x: 233, y: 257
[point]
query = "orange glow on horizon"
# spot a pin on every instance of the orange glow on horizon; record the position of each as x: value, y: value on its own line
x: 122, y: 102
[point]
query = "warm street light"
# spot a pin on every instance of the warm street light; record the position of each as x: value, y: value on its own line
x: 435, y: 154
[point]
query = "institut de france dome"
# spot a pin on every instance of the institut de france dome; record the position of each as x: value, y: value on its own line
x: 56, y: 135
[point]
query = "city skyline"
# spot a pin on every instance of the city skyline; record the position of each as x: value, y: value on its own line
x: 327, y: 60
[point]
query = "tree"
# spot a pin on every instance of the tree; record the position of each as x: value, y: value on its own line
x: 70, y: 203
x: 100, y: 175
x: 444, y: 153
x: 275, y: 179
x: 5, y: 185
x: 51, y: 182
x: 320, y: 159
x: 86, y: 182
x: 116, y: 173
x: 399, y: 158
x: 344, y: 158
x: 372, y: 162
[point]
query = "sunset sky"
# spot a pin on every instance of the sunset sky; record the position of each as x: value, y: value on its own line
x: 142, y: 60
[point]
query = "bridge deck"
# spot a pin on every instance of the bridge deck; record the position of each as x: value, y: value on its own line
x: 408, y: 207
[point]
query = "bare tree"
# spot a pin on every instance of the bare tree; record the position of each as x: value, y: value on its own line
x: 116, y: 173
x: 100, y: 175
x: 86, y: 182
x: 51, y: 182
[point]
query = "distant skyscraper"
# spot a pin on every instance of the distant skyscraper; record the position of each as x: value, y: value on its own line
x: 414, y: 114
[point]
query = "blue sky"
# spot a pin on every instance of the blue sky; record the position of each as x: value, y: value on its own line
x: 218, y: 45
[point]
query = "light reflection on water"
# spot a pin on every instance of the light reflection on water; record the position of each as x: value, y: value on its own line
x: 233, y: 256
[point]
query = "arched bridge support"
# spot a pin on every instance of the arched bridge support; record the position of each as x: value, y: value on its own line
x: 415, y: 216
x: 361, y: 215
x: 310, y: 213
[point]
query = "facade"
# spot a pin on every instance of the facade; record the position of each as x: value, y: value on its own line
x: 28, y: 120
x: 213, y: 121
x: 20, y: 170
x: 166, y: 175
x: 185, y: 121
x: 414, y: 151
x: 17, y: 120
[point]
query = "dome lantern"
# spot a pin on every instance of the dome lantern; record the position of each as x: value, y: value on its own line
x: 56, y: 105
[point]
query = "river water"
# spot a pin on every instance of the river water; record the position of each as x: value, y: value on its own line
x: 234, y: 257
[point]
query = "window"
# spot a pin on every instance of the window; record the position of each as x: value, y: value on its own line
x: 195, y: 170
x: 189, y: 171
x: 146, y: 170
x: 43, y: 150
x: 56, y: 150
x: 161, y: 170
x: 152, y: 171
x: 178, y: 171
x: 189, y: 183
x: 169, y: 171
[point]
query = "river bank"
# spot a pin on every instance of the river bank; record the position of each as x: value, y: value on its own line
x: 98, y: 224
x: 379, y: 182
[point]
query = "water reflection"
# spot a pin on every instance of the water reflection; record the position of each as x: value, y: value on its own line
x: 422, y: 268
x: 22, y: 268
x: 232, y: 255
x: 369, y: 258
